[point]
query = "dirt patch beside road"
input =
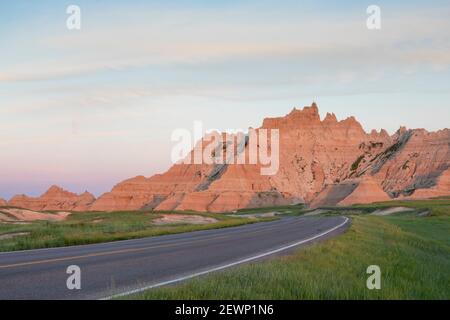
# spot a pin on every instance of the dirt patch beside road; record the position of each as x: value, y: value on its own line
x: 13, y: 235
x: 183, y: 218
x: 29, y: 215
x: 388, y: 211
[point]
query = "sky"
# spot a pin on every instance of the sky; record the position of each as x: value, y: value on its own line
x: 85, y: 109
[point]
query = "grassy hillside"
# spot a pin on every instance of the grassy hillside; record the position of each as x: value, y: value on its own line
x: 413, y: 254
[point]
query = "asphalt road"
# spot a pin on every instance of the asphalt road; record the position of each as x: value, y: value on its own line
x: 125, y: 266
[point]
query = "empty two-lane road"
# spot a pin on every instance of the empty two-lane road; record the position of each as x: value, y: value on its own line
x: 126, y: 266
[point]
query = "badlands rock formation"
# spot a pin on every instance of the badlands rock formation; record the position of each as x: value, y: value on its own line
x: 3, y: 202
x: 321, y: 162
x: 55, y: 198
x: 439, y: 189
x: 367, y: 191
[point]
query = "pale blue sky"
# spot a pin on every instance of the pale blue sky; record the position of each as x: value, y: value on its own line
x: 86, y: 109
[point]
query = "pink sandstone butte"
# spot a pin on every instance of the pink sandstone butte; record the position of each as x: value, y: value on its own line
x: 55, y: 198
x: 321, y: 162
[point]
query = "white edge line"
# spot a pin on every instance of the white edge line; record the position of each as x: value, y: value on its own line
x: 193, y: 275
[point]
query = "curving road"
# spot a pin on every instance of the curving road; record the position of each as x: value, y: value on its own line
x: 124, y: 267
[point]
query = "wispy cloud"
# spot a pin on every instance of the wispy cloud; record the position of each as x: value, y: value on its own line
x: 219, y: 37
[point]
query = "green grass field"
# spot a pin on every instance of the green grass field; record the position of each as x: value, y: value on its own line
x: 95, y: 227
x: 437, y: 207
x: 413, y: 254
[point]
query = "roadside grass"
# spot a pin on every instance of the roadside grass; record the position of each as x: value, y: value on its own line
x: 437, y: 207
x: 96, y: 227
x: 412, y: 252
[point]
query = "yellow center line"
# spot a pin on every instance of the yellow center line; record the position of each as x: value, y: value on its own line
x: 106, y: 253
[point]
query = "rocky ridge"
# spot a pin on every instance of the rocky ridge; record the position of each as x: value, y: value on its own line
x: 321, y: 162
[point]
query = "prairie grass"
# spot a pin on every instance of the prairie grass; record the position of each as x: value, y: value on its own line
x: 437, y: 207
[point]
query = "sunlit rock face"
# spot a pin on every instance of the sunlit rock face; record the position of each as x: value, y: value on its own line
x: 321, y: 162
x: 55, y: 198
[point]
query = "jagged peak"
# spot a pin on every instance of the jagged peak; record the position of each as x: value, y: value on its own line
x: 19, y: 196
x: 383, y: 133
x: 312, y: 110
x: 57, y: 190
x: 352, y: 122
x: 53, y: 189
x: 306, y: 115
x: 330, y: 117
x: 410, y: 132
x: 309, y: 115
x: 401, y: 130
x: 350, y: 119
x: 87, y: 194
